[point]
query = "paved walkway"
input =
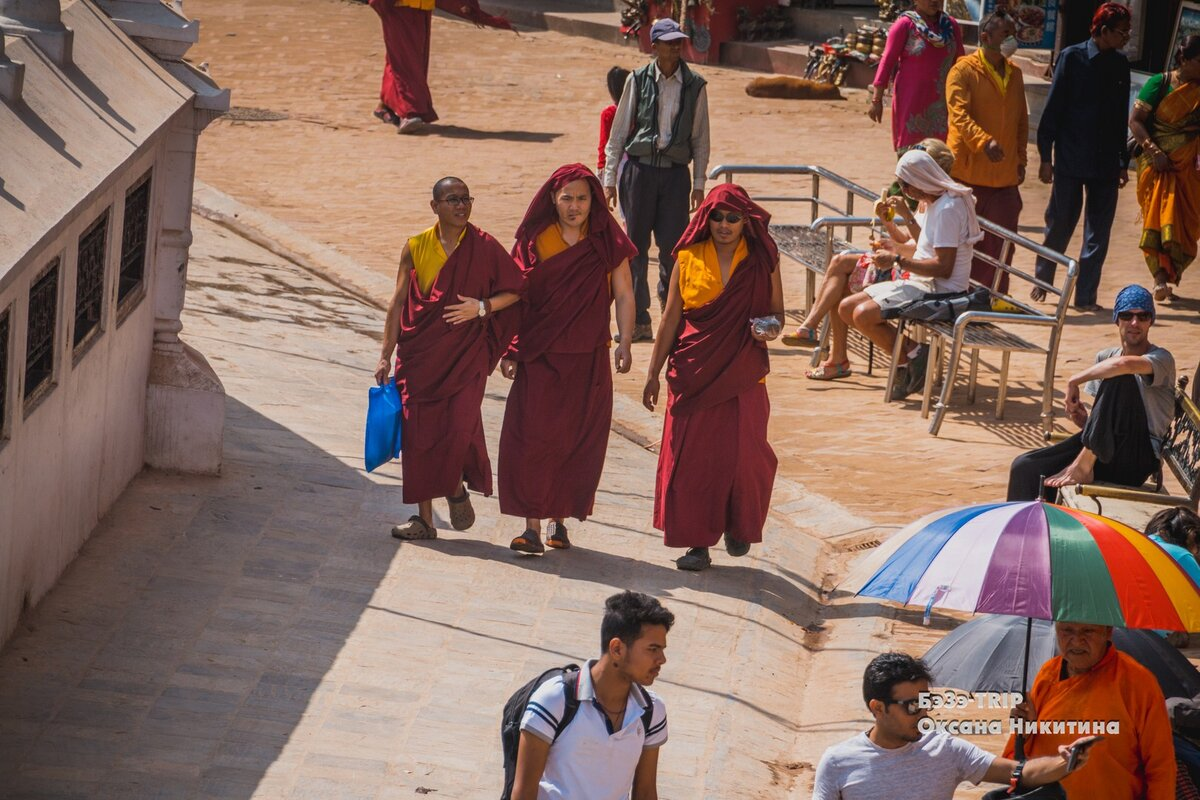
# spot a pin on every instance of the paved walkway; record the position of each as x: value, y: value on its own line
x: 260, y: 634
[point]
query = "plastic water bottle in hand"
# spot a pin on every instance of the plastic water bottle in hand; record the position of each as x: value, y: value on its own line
x: 766, y: 327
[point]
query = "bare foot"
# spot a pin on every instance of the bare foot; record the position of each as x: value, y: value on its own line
x: 1037, y: 294
x: 1073, y: 474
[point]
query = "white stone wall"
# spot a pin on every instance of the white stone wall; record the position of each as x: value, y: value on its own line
x: 67, y: 458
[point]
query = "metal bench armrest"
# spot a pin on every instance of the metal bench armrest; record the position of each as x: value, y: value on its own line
x: 1134, y: 495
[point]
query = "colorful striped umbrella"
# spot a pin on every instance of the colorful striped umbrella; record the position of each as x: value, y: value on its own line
x: 1032, y: 559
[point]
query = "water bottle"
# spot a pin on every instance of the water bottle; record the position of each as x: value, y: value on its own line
x: 766, y: 327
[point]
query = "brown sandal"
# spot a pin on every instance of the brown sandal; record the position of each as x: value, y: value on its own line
x: 528, y: 542
x: 558, y: 539
x: 462, y: 513
x: 416, y: 528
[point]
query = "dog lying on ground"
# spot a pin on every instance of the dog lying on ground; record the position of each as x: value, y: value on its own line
x: 791, y: 88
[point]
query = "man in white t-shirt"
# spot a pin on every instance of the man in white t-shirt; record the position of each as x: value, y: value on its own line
x: 607, y: 749
x: 895, y: 761
x: 941, y: 262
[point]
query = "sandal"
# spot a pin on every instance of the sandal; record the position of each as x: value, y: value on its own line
x: 462, y: 514
x: 801, y: 337
x: 558, y: 539
x: 385, y: 114
x: 829, y: 372
x: 528, y: 542
x: 416, y: 528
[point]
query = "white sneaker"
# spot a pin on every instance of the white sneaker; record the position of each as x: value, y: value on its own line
x: 410, y: 125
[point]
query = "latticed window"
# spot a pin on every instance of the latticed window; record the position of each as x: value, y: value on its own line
x: 39, y: 339
x: 3, y: 369
x: 134, y: 235
x: 89, y: 277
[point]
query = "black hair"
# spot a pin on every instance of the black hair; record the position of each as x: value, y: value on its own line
x: 999, y: 15
x: 1189, y: 48
x: 1178, y: 526
x: 616, y: 82
x: 445, y: 183
x: 626, y: 613
x: 886, y: 670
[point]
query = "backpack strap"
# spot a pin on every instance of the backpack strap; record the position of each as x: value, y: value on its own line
x: 570, y: 681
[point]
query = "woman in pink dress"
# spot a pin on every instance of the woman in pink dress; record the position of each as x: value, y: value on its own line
x: 922, y: 45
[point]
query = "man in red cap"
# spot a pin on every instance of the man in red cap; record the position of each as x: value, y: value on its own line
x: 725, y: 301
x: 662, y: 124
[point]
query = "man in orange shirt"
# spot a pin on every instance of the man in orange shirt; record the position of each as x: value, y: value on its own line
x: 1093, y: 682
x: 989, y: 127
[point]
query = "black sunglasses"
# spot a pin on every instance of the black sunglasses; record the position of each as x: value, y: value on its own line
x: 724, y: 216
x: 1140, y: 316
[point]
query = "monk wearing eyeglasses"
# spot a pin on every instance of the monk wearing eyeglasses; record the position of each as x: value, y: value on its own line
x: 724, y: 303
x: 448, y: 325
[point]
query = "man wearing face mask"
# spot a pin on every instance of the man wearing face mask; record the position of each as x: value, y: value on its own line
x: 989, y: 125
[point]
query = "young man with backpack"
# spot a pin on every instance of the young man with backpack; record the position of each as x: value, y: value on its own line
x: 595, y: 732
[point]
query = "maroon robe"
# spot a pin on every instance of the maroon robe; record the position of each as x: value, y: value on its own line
x: 716, y: 468
x: 559, y: 410
x: 442, y: 370
x: 407, y: 33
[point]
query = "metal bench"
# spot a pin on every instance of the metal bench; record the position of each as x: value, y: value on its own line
x: 1007, y: 332
x: 813, y: 243
x: 1180, y: 453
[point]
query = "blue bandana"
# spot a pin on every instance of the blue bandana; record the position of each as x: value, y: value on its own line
x: 1133, y: 298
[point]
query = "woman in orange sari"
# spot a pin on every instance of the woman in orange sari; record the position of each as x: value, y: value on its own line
x: 1166, y: 122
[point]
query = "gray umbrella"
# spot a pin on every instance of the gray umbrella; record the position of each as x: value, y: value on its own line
x: 987, y: 655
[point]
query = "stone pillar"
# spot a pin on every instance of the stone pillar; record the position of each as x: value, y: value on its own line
x: 12, y: 75
x: 41, y: 22
x: 185, y: 401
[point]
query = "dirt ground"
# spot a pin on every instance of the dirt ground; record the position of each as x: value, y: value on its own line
x: 514, y: 108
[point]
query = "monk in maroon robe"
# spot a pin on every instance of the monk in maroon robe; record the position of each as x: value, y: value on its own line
x: 448, y: 323
x: 404, y: 98
x: 715, y: 468
x: 575, y: 258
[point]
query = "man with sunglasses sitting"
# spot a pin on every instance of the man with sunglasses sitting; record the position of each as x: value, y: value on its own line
x: 1121, y: 436
x: 902, y: 758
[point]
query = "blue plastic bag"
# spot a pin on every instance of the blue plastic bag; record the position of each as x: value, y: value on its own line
x: 384, y: 413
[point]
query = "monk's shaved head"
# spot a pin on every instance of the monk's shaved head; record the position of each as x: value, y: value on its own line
x: 445, y: 184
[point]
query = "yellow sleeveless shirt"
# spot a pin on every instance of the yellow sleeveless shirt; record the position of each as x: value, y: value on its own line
x: 428, y: 256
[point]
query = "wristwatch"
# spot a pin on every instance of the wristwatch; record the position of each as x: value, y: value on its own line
x: 483, y: 308
x: 1015, y: 779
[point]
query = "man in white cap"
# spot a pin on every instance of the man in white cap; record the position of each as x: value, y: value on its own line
x: 662, y: 124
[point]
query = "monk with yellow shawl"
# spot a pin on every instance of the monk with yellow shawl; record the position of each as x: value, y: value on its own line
x: 1166, y: 123
x: 448, y: 325
x: 716, y: 468
x: 1093, y: 682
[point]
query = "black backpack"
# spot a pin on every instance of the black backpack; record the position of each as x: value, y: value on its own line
x: 514, y: 711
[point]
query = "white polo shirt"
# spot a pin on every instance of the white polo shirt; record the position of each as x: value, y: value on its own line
x: 588, y: 760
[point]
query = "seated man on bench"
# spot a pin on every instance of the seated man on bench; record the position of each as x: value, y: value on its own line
x: 1122, y: 435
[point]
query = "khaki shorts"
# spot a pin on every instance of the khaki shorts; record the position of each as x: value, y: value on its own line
x: 891, y: 294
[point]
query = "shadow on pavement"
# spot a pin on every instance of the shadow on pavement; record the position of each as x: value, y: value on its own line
x: 460, y: 132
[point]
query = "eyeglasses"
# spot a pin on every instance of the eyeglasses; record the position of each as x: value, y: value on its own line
x: 1140, y: 316
x: 455, y: 200
x: 724, y: 216
x: 911, y: 707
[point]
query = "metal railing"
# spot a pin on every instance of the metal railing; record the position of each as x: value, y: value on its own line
x: 844, y: 217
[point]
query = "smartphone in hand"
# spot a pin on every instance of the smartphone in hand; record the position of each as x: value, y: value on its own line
x: 1079, y: 749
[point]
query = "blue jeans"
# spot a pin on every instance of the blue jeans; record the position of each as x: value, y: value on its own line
x: 1062, y: 215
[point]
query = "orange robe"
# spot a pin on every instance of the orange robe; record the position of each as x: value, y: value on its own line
x: 1136, y: 763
